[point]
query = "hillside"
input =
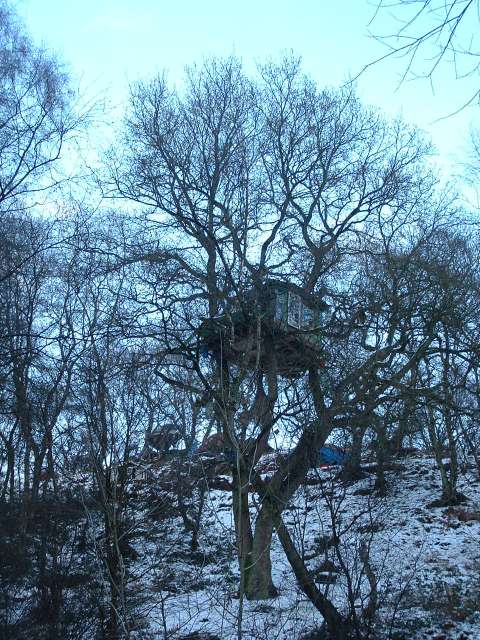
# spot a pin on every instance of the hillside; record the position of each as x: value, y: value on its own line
x: 426, y: 560
x: 415, y: 565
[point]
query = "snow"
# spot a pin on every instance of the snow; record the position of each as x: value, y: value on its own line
x: 426, y: 561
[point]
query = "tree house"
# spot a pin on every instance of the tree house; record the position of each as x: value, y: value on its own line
x: 280, y: 316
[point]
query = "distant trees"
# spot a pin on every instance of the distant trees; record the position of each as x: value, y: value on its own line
x: 38, y: 350
x: 443, y: 271
x: 36, y: 116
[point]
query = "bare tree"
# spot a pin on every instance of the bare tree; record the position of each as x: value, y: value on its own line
x: 36, y: 116
x: 39, y: 349
x: 430, y: 34
x: 251, y: 185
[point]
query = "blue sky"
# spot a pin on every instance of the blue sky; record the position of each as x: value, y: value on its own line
x: 110, y: 43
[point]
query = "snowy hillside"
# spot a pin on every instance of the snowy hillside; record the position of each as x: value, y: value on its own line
x: 425, y: 560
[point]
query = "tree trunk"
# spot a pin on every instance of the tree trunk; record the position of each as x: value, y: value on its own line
x: 278, y: 491
x: 37, y: 476
x: 9, y: 482
x: 112, y: 567
x: 337, y: 626
x: 380, y: 481
x: 260, y: 584
x: 243, y: 527
x: 352, y: 469
x: 26, y: 472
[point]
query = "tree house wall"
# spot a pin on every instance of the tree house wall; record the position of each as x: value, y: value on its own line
x: 288, y: 325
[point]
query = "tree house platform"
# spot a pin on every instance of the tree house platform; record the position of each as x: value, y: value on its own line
x: 282, y: 319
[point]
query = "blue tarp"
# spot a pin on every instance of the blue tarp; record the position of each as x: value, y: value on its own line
x: 332, y: 455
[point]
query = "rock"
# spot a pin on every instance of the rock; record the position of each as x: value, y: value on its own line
x: 466, y: 516
x: 460, y: 498
x: 448, y: 625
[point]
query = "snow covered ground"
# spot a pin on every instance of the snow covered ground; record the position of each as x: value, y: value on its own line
x: 426, y: 561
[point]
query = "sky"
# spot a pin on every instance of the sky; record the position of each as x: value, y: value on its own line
x: 107, y: 44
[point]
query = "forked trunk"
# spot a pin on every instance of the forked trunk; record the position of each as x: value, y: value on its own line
x: 260, y: 585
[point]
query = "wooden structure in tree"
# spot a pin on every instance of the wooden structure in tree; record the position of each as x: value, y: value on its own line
x: 282, y: 317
